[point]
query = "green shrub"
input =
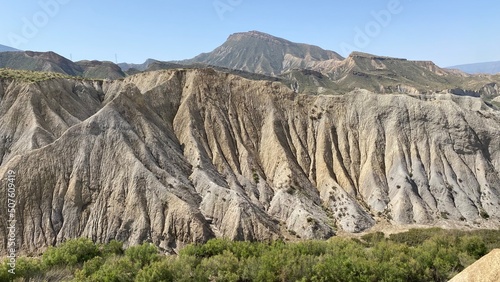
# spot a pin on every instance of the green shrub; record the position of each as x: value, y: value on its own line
x: 373, y: 238
x: 484, y: 214
x: 210, y: 248
x: 142, y: 255
x: 415, y: 237
x: 115, y: 269
x: 89, y: 268
x: 70, y: 253
x: 159, y: 271
x: 184, y: 269
x: 417, y: 255
x: 112, y: 248
x: 223, y: 267
x: 245, y: 249
x: 474, y: 246
x: 256, y: 178
x: 4, y: 274
x: 438, y: 259
x: 28, y: 267
x: 489, y: 237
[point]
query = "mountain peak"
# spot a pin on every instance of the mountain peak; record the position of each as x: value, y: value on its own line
x: 258, y: 36
x: 262, y: 53
x: 255, y: 34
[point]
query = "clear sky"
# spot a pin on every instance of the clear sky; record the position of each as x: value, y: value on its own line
x: 446, y: 32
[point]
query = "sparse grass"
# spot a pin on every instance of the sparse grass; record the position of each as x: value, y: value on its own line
x: 31, y: 76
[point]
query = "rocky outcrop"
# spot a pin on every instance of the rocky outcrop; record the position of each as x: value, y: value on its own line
x: 181, y: 156
x: 490, y: 91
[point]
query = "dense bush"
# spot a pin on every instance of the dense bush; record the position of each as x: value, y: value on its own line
x: 71, y: 252
x: 160, y: 271
x: 89, y: 268
x: 114, y: 269
x: 142, y: 255
x: 416, y: 255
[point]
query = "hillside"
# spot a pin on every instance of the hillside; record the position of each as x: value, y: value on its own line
x: 52, y: 62
x: 39, y: 61
x: 205, y: 153
x: 391, y: 75
x: 98, y: 69
x: 4, y: 48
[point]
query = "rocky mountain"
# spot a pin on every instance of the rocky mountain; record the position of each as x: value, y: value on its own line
x: 391, y: 75
x: 4, y: 48
x: 52, y: 62
x: 479, y: 68
x: 262, y: 53
x: 384, y: 74
x: 184, y: 155
x: 99, y: 69
x: 311, y: 70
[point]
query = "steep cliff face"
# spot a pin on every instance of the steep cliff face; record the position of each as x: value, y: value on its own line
x: 182, y: 156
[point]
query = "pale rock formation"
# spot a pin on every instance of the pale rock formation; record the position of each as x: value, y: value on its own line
x: 486, y: 269
x: 182, y: 156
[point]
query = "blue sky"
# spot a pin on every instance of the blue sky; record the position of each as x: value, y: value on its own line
x: 446, y: 32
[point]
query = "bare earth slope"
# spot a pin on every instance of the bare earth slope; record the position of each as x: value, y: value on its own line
x: 486, y: 269
x: 181, y: 156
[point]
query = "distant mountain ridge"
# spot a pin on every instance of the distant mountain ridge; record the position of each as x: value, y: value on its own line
x: 140, y: 67
x: 4, y: 48
x: 39, y: 61
x: 478, y: 68
x: 53, y: 62
x: 311, y: 69
x: 307, y: 69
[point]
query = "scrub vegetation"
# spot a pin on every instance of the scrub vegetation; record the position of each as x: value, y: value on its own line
x: 417, y: 255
